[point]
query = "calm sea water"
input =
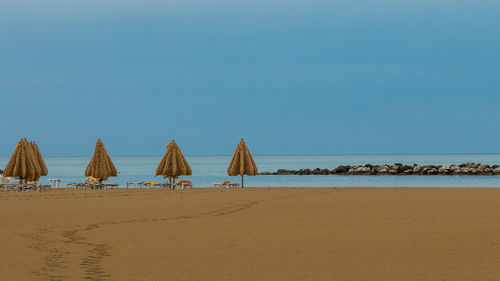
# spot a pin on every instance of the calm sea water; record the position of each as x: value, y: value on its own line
x: 207, y: 169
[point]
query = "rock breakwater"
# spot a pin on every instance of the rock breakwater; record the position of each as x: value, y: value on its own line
x: 467, y: 169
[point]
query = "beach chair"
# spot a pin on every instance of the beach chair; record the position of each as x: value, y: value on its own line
x: 155, y: 184
x: 144, y: 184
x: 109, y: 185
x: 92, y: 183
x: 75, y: 185
x: 88, y: 183
x: 16, y: 187
x: 184, y: 183
x: 31, y: 186
x: 221, y: 184
x: 234, y: 185
x: 44, y: 187
x: 10, y: 186
x: 133, y: 184
x: 95, y: 183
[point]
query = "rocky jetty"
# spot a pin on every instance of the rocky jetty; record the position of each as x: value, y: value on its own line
x: 467, y: 169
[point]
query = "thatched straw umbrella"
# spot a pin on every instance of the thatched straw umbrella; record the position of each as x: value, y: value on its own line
x: 23, y: 164
x: 173, y: 164
x: 41, y: 163
x: 101, y: 166
x: 242, y: 162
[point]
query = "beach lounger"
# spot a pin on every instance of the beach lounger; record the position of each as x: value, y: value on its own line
x: 29, y: 186
x: 5, y: 186
x: 45, y: 187
x: 95, y: 183
x: 233, y: 185
x: 154, y: 184
x: 140, y: 184
x: 75, y: 185
x: 221, y: 184
x: 110, y: 185
x: 133, y: 184
x: 32, y: 186
x: 10, y: 186
x: 91, y: 183
x: 147, y: 184
x: 184, y: 183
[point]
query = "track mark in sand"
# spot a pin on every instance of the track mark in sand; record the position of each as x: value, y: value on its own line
x: 91, y: 264
x: 236, y: 207
x: 55, y: 258
x: 53, y: 261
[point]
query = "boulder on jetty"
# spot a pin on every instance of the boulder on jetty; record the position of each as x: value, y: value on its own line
x: 466, y: 169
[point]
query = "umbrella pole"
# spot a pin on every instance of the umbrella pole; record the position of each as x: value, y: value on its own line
x: 241, y: 181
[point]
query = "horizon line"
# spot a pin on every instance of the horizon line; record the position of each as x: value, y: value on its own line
x: 284, y: 155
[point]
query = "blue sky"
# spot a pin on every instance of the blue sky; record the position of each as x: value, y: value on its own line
x: 291, y: 77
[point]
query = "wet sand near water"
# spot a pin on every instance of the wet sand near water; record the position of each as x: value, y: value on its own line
x: 251, y: 234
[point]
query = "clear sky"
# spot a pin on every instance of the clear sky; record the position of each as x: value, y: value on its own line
x: 291, y: 77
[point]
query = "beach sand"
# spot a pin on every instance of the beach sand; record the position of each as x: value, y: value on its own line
x: 252, y: 234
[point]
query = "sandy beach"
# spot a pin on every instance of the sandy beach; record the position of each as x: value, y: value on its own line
x: 252, y: 234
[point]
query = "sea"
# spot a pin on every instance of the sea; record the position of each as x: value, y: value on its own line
x: 208, y: 169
